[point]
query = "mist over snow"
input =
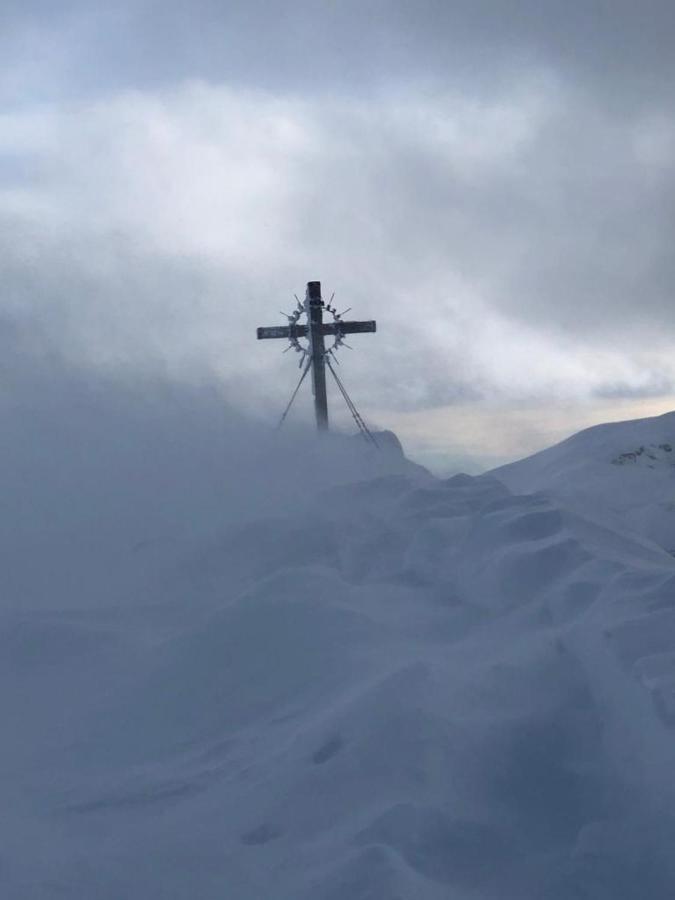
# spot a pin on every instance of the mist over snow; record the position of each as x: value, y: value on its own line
x: 246, y: 664
x: 102, y: 478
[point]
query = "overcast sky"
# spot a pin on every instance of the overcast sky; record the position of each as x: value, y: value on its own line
x: 492, y: 181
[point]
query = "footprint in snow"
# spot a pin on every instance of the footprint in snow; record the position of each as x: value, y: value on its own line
x: 328, y: 750
x: 261, y: 834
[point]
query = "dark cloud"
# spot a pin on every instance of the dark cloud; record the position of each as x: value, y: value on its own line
x: 620, y: 48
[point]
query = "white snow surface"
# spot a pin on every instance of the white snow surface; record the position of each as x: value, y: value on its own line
x: 243, y: 668
x: 622, y: 473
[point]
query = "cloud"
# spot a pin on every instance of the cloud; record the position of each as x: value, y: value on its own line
x: 158, y: 229
x: 488, y: 181
x: 619, y: 50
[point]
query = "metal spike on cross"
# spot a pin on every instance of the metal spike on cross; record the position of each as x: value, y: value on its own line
x: 315, y: 330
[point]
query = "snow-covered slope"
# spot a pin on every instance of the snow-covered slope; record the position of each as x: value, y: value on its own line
x: 623, y: 471
x: 394, y: 688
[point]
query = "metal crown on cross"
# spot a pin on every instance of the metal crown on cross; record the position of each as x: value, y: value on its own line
x: 315, y: 330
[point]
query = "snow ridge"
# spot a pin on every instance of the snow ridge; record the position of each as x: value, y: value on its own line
x: 402, y: 688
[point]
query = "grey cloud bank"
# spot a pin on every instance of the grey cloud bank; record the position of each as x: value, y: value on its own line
x: 490, y: 181
x: 619, y: 47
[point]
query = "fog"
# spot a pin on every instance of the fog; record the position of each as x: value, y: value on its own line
x: 107, y: 483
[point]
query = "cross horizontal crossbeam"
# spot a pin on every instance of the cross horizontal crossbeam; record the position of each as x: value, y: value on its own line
x: 327, y: 328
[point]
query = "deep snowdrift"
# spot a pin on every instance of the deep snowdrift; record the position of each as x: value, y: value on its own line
x: 396, y: 687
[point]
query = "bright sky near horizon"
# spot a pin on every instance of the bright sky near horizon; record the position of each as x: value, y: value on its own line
x: 491, y: 181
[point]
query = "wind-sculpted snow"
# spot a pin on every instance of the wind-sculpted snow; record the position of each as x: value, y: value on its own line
x: 622, y: 473
x: 394, y: 688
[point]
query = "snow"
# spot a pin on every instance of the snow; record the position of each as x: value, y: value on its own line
x: 245, y: 667
x: 621, y: 472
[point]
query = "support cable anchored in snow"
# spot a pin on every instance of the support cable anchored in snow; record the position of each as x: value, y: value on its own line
x: 294, y: 394
x: 363, y: 428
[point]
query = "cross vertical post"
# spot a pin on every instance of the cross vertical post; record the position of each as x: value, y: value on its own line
x: 317, y: 349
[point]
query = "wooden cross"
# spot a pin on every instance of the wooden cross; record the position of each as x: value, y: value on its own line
x: 315, y: 331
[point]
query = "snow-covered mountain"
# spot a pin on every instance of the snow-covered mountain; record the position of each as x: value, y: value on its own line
x: 622, y: 471
x: 356, y: 683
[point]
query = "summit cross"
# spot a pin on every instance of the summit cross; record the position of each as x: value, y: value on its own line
x: 315, y: 330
